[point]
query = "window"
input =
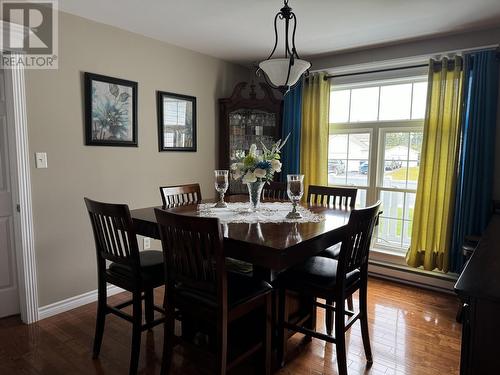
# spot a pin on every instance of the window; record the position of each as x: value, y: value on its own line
x: 376, y: 131
x: 175, y: 111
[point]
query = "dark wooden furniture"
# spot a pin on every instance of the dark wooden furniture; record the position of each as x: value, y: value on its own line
x: 332, y: 196
x: 246, y: 119
x: 479, y: 288
x: 275, y: 190
x: 180, y: 194
x: 134, y: 271
x: 199, y: 286
x: 274, y: 247
x: 321, y: 277
x: 270, y: 247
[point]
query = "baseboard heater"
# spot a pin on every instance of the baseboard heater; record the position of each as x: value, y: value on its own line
x: 415, y: 277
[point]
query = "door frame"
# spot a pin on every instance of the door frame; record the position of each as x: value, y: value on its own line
x: 19, y: 155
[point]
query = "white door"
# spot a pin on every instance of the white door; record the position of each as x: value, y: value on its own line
x: 9, y: 296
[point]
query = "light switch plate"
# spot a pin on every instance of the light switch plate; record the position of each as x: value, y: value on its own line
x: 41, y: 159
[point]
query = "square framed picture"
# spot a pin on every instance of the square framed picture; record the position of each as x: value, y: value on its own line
x: 110, y: 111
x: 176, y: 121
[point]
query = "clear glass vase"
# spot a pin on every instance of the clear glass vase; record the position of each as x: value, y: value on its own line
x: 254, y: 192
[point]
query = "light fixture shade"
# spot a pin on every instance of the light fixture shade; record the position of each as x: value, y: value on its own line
x: 277, y: 70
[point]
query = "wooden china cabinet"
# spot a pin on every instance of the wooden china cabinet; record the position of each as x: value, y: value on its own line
x: 247, y: 117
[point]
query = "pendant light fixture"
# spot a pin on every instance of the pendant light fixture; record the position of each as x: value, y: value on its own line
x: 283, y: 73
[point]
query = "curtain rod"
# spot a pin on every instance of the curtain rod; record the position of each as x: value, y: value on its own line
x: 327, y: 77
x: 375, y: 71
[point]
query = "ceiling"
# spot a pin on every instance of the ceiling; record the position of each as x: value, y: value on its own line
x: 242, y: 31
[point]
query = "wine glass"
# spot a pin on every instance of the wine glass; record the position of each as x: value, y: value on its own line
x: 221, y: 185
x: 295, y: 190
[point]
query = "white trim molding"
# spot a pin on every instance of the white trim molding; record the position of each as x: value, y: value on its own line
x: 28, y: 289
x: 74, y: 302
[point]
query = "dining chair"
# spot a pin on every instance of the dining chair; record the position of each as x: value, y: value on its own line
x: 179, y: 195
x: 274, y: 190
x: 332, y: 196
x: 135, y: 271
x: 200, y: 289
x: 335, y: 280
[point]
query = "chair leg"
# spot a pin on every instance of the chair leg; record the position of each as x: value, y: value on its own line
x: 221, y: 350
x: 267, y: 347
x: 329, y: 317
x: 350, y: 305
x: 101, y: 318
x: 136, y: 333
x: 340, y: 338
x: 311, y: 322
x: 281, y: 326
x: 168, y: 340
x: 364, y: 323
x: 149, y: 306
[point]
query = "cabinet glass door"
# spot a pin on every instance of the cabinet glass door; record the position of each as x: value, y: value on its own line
x: 248, y: 126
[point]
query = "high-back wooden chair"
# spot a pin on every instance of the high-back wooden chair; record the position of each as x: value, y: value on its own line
x: 134, y: 271
x: 274, y: 190
x: 334, y: 279
x: 332, y: 196
x: 179, y: 195
x: 199, y: 286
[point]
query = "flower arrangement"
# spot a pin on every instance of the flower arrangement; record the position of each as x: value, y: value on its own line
x: 258, y: 167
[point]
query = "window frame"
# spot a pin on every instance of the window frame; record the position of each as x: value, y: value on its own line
x: 408, y: 128
x: 378, y: 130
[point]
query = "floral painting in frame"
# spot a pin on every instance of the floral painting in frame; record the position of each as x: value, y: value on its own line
x: 110, y: 111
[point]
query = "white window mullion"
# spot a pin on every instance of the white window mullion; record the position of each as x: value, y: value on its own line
x: 392, y: 236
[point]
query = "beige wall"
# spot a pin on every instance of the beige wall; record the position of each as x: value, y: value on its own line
x: 63, y: 240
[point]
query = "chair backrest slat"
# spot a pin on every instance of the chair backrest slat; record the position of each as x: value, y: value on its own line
x: 355, y: 246
x: 179, y: 195
x: 274, y: 190
x: 193, y: 252
x: 114, y: 234
x: 332, y: 196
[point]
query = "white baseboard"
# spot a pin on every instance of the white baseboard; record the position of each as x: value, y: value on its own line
x: 73, y: 302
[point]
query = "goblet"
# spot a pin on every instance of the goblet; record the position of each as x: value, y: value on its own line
x: 295, y: 190
x: 221, y: 185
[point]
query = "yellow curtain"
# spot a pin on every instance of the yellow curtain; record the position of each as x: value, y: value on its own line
x: 433, y: 217
x: 314, y: 132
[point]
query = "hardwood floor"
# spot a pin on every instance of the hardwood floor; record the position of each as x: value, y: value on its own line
x: 412, y: 331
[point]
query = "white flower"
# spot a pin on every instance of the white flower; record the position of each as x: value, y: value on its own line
x: 260, y: 173
x: 276, y: 165
x: 236, y: 174
x: 253, y: 150
x: 234, y: 166
x: 249, y: 177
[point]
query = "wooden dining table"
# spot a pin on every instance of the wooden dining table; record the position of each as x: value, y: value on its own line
x: 269, y: 247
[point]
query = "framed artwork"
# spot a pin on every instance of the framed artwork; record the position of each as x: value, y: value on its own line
x: 176, y: 121
x: 110, y: 111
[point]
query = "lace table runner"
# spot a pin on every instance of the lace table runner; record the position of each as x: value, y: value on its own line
x: 272, y: 212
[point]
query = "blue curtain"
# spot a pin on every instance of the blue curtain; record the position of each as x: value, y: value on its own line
x: 477, y: 151
x: 292, y: 119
